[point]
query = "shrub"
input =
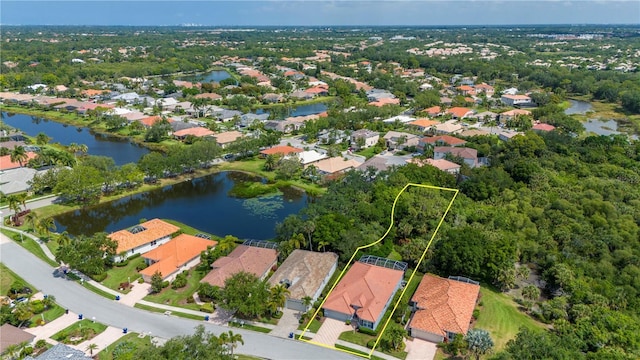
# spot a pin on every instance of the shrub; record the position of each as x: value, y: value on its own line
x: 371, y: 343
x: 99, y: 277
x: 476, y: 313
x: 207, y: 307
x: 26, y: 351
x: 140, y: 281
x: 134, y: 256
x: 367, y: 331
x: 190, y: 300
x: 37, y: 306
x: 165, y: 284
x: 141, y: 266
x: 348, y: 322
x: 122, y: 263
x: 180, y: 281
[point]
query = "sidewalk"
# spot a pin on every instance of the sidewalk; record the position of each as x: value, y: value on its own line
x: 366, y: 350
x: 137, y: 293
x: 37, y: 239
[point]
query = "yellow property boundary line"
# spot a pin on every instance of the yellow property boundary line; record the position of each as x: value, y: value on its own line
x: 424, y: 253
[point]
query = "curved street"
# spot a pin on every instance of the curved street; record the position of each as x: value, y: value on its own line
x: 71, y: 295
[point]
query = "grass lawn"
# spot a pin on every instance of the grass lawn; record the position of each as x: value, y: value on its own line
x: 131, y: 338
x: 500, y: 316
x: 31, y: 245
x: 244, y: 357
x: 368, y: 152
x: 8, y: 277
x: 158, y: 310
x: 98, y: 291
x: 341, y: 347
x: 356, y: 337
x: 188, y: 229
x: 77, y: 333
x: 314, y: 327
x: 49, y: 315
x: 117, y: 275
x: 250, y: 327
x: 178, y: 297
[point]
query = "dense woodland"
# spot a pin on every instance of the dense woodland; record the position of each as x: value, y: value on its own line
x: 566, y: 207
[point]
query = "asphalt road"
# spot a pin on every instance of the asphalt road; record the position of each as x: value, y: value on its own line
x: 71, y: 295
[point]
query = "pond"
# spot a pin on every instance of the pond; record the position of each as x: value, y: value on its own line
x: 202, y: 203
x: 302, y: 110
x: 216, y: 75
x: 601, y: 127
x: 121, y: 150
x: 578, y: 107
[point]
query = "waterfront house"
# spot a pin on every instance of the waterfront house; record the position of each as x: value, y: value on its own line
x: 142, y: 238
x: 442, y: 308
x: 305, y: 274
x: 178, y: 254
x: 244, y: 258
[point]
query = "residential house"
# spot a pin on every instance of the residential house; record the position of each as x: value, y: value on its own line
x: 283, y: 126
x: 141, y: 238
x: 178, y: 254
x: 442, y: 164
x: 424, y: 124
x: 305, y: 274
x: 378, y: 163
x: 335, y: 165
x: 442, y: 308
x: 385, y: 101
x: 448, y: 127
x: 510, y: 91
x: 272, y: 98
x: 333, y: 136
x: 225, y: 115
x: 303, y: 95
x: 466, y: 90
x: 364, y: 138
x: 543, y: 127
x: 251, y: 259
x: 365, y: 292
x: 378, y: 94
x: 459, y: 112
x: 280, y: 150
x: 485, y: 116
x: 13, y: 336
x: 7, y: 164
x: 197, y: 131
x: 318, y: 90
x: 440, y: 140
x: 470, y: 156
x: 310, y: 157
x: 223, y: 139
x: 249, y: 119
x: 507, y: 135
x: 61, y: 351
x: 512, y: 114
x: 209, y: 96
x: 434, y: 111
x: 149, y: 121
x: 515, y: 100
x: 473, y: 132
x: 488, y: 90
x: 400, y: 140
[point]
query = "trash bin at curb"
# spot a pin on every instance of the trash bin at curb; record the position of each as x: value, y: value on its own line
x: 79, y: 316
x: 117, y: 297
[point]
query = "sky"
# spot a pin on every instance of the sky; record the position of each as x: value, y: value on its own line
x: 315, y: 13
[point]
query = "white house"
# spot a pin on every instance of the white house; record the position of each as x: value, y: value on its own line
x: 142, y: 238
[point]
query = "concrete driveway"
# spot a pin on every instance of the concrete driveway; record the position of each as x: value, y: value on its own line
x: 288, y: 323
x: 330, y: 331
x: 418, y: 349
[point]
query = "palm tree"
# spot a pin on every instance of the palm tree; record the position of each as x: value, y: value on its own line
x: 227, y: 243
x: 279, y: 295
x: 271, y: 162
x: 224, y: 339
x: 83, y: 149
x: 42, y: 139
x: 91, y: 347
x: 63, y: 238
x: 31, y: 219
x: 46, y: 225
x: 48, y: 301
x: 322, y: 244
x: 12, y: 351
x: 233, y: 340
x: 307, y: 301
x: 22, y: 197
x: 309, y: 226
x: 297, y: 241
x: 19, y: 155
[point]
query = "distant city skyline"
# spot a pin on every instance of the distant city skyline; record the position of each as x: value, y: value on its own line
x: 319, y: 13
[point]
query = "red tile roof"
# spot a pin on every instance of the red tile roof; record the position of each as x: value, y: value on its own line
x: 367, y: 286
x: 195, y: 131
x: 434, y: 110
x: 458, y: 112
x: 251, y: 259
x: 543, y: 127
x: 6, y: 163
x: 281, y: 150
x: 443, y: 139
x: 444, y: 305
x: 424, y: 123
x: 149, y: 121
x: 171, y: 256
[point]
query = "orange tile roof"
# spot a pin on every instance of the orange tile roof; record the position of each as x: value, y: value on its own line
x: 441, y: 164
x: 465, y: 88
x: 155, y: 229
x: 174, y: 254
x: 367, y: 286
x: 516, y: 112
x: 195, y: 131
x: 434, y: 110
x: 281, y: 150
x: 425, y: 123
x: 458, y: 111
x: 251, y: 259
x: 6, y: 163
x: 94, y: 92
x: 385, y: 101
x: 212, y: 96
x: 543, y: 127
x: 444, y: 305
x: 445, y: 139
x: 150, y: 120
